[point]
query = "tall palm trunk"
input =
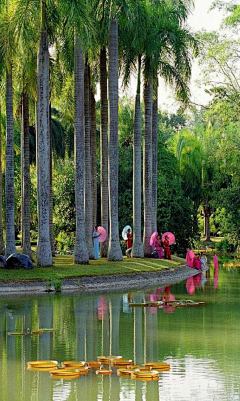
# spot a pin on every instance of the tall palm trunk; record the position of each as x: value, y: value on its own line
x: 44, y: 253
x: 137, y: 247
x: 104, y: 149
x: 2, y: 247
x: 93, y: 157
x: 88, y: 164
x: 154, y: 152
x: 80, y: 249
x: 25, y: 174
x: 51, y: 186
x: 9, y: 178
x: 114, y: 251
x: 147, y: 164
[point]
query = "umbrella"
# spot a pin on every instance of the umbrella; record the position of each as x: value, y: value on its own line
x: 190, y: 258
x: 153, y: 238
x: 216, y: 263
x: 102, y: 234
x: 124, y: 232
x: 171, y: 237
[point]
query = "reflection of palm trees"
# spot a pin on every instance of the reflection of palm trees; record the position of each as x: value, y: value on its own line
x: 105, y: 331
x: 114, y: 312
x: 45, y: 313
x: 80, y: 312
x: 11, y: 357
x: 138, y: 337
x: 149, y: 332
x: 92, y: 337
x: 27, y: 324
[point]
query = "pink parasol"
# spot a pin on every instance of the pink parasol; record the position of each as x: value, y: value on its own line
x: 153, y: 238
x: 215, y: 262
x: 190, y: 257
x: 102, y: 234
x: 171, y: 237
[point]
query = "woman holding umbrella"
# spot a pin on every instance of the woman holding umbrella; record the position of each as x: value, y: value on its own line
x: 166, y: 246
x: 129, y: 243
x: 96, y: 236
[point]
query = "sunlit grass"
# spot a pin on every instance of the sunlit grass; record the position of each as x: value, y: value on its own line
x: 63, y: 267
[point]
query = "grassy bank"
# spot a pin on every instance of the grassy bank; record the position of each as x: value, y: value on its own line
x: 65, y: 268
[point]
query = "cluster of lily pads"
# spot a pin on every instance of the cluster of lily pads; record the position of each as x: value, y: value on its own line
x: 125, y: 367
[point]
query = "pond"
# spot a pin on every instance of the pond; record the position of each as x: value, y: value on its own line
x: 201, y: 344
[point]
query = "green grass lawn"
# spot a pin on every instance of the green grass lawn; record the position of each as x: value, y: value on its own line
x: 64, y: 267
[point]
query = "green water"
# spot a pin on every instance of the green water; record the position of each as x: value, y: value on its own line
x: 202, y: 344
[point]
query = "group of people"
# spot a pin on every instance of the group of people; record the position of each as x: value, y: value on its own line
x: 161, y: 247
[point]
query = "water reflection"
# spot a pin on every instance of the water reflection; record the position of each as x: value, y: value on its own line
x: 201, y: 344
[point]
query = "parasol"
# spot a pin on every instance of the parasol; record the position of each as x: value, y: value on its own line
x: 102, y: 234
x: 171, y: 237
x: 153, y: 238
x: 190, y: 257
x: 124, y: 232
x: 215, y: 262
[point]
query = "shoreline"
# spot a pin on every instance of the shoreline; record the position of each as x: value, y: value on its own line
x: 104, y: 284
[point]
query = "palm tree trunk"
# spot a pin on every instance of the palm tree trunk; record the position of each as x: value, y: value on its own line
x: 44, y: 252
x: 154, y: 152
x: 114, y: 250
x: 104, y: 149
x: 94, y: 158
x: 137, y: 247
x: 147, y: 164
x: 9, y: 179
x: 2, y: 247
x: 88, y: 164
x: 80, y: 249
x: 51, y: 186
x: 25, y: 174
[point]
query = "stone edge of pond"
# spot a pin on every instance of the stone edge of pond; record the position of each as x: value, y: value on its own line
x: 100, y: 284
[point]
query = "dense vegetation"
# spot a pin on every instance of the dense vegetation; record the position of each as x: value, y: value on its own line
x: 195, y: 153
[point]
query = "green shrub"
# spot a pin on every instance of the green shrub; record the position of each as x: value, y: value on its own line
x: 64, y: 242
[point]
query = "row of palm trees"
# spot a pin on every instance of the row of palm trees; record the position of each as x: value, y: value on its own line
x: 90, y: 42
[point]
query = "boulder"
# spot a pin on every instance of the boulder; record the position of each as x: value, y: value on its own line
x: 18, y: 261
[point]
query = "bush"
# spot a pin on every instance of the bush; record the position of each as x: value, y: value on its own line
x: 64, y: 242
x: 228, y: 244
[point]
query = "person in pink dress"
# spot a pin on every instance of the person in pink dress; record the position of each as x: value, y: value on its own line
x: 158, y: 247
x: 166, y: 247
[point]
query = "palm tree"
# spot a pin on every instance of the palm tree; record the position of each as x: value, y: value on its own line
x: 44, y: 252
x: 80, y: 250
x: 154, y: 151
x: 104, y: 148
x: 147, y: 157
x: 88, y: 162
x: 101, y: 11
x: 137, y: 247
x: 94, y: 157
x: 9, y: 175
x: 114, y: 251
x: 7, y: 45
x: 75, y: 18
x: 2, y: 247
x: 133, y: 36
x: 25, y: 174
